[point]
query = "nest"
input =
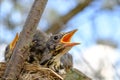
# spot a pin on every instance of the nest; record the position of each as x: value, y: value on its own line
x: 2, y: 69
x: 34, y: 72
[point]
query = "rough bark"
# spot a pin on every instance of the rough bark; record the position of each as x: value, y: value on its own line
x: 59, y: 24
x: 16, y: 62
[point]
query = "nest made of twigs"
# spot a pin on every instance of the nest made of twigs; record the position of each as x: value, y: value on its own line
x: 34, y: 72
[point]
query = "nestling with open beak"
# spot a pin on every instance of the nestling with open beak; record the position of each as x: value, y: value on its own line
x: 50, y: 49
x: 36, y: 49
x: 56, y: 47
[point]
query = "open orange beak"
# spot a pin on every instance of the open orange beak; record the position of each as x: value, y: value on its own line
x: 13, y: 43
x: 67, y: 37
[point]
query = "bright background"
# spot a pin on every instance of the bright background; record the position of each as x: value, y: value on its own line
x: 98, y: 26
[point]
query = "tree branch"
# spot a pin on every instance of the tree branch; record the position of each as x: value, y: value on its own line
x: 16, y: 62
x: 59, y: 24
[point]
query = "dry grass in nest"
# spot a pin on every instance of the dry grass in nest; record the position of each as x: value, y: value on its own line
x: 2, y: 68
x: 34, y: 72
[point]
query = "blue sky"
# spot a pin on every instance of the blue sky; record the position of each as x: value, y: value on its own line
x: 106, y: 22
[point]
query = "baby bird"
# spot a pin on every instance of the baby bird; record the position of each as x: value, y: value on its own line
x: 56, y: 47
x: 36, y: 49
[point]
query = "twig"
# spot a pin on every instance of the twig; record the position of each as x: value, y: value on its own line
x: 16, y: 62
x: 59, y: 24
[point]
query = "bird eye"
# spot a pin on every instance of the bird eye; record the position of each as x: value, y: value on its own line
x: 55, y: 37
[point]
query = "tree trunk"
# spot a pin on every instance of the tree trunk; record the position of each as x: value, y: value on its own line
x: 16, y: 62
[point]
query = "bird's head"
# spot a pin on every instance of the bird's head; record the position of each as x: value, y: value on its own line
x: 56, y: 46
x: 61, y: 43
